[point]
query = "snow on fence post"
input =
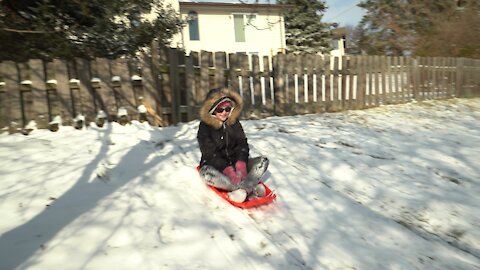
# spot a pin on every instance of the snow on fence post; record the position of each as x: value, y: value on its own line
x: 137, y: 87
x: 98, y: 104
x: 136, y: 81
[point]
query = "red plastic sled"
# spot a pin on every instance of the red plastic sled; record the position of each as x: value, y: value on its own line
x: 268, y: 198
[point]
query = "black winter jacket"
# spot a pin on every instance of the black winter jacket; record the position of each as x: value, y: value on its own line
x: 222, y: 147
x: 221, y: 143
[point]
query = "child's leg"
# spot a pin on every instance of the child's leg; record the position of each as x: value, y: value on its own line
x: 213, y: 177
x: 256, y: 169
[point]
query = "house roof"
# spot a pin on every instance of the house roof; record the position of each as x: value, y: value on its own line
x: 234, y: 6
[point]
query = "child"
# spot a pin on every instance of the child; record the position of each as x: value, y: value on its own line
x: 225, y: 162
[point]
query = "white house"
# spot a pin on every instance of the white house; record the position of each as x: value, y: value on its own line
x: 232, y: 27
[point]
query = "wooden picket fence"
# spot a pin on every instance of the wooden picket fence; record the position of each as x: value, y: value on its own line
x: 172, y: 85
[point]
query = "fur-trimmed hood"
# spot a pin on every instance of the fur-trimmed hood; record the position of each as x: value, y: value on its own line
x: 212, y: 100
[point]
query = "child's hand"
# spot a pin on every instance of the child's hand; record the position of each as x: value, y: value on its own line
x: 241, y: 168
x: 230, y: 172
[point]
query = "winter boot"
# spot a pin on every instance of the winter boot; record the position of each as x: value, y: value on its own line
x: 238, y: 195
x: 258, y: 192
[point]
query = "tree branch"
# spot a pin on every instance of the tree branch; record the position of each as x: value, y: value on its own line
x: 26, y: 31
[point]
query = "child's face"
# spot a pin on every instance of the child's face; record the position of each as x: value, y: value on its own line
x: 223, y: 113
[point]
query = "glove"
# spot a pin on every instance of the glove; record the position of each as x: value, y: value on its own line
x: 230, y: 172
x: 241, y: 168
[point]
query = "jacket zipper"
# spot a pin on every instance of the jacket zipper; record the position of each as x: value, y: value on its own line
x: 226, y: 142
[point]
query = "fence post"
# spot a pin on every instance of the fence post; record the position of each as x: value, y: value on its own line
x: 361, y: 81
x: 190, y: 88
x: 86, y: 90
x: 353, y: 71
x: 174, y: 84
x: 319, y: 71
x: 39, y: 92
x: 204, y: 73
x: 279, y: 84
x: 299, y: 70
x: 415, y: 79
x: 308, y: 83
x: 245, y: 86
x: 60, y: 70
x: 220, y: 65
x: 103, y: 90
x: 12, y: 110
x: 459, y: 80
x: 257, y: 89
x: 327, y: 72
x: 268, y: 86
x: 383, y: 80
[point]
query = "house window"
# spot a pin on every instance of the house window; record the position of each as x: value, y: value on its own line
x: 239, y: 28
x: 193, y: 25
x: 240, y: 22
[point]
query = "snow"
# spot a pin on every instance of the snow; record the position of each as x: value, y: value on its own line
x: 393, y: 187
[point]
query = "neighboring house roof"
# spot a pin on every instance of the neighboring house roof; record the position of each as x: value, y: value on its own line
x: 234, y: 6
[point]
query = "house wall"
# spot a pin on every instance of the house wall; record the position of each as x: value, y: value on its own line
x: 216, y: 31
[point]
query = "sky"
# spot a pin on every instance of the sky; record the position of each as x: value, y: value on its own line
x: 344, y: 12
x: 392, y: 187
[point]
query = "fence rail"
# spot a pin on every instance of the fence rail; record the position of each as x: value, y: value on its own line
x: 172, y: 85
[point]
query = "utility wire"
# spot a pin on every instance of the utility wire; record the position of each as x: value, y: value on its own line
x: 342, y: 12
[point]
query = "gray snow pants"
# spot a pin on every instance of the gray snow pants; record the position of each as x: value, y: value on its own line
x: 256, y: 169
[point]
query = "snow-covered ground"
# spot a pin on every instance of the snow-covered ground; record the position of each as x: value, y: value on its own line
x: 394, y: 187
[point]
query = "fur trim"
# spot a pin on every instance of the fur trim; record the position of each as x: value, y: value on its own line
x: 212, y: 98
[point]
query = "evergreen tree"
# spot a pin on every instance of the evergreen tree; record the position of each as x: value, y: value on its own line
x: 305, y: 32
x: 82, y: 28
